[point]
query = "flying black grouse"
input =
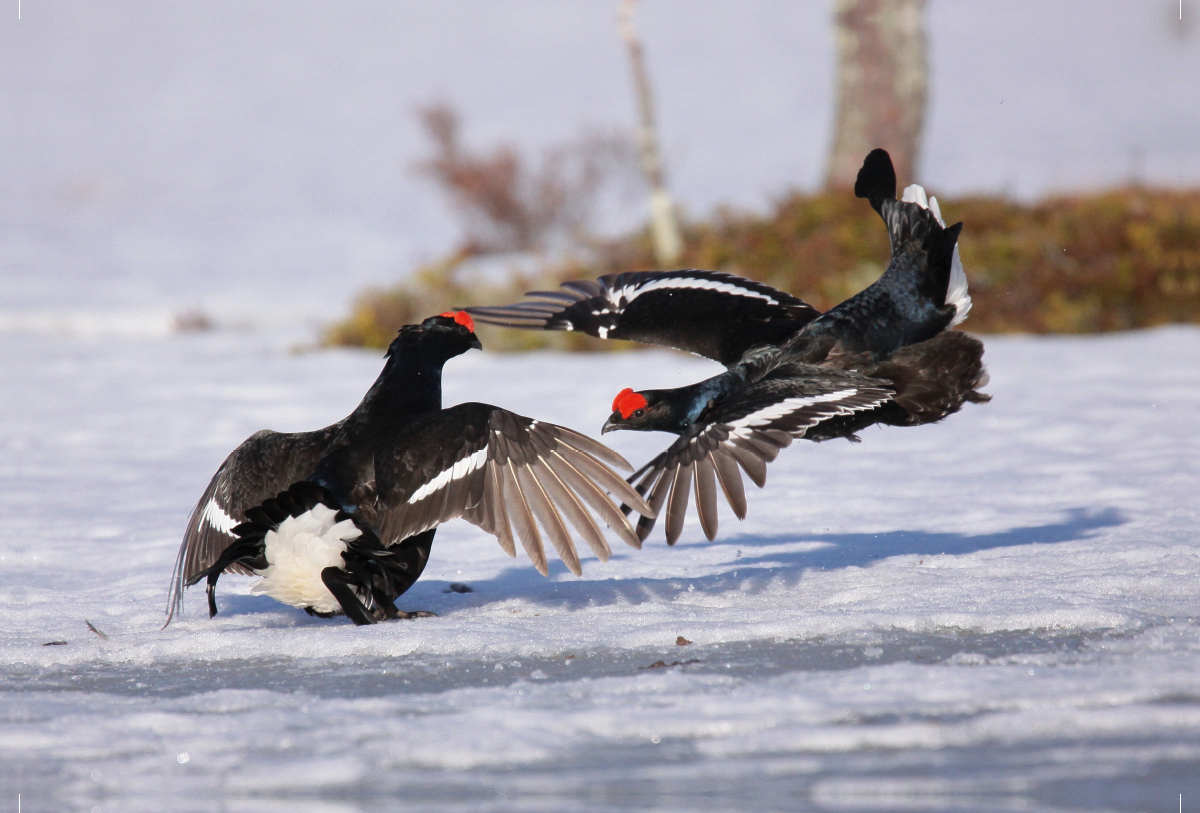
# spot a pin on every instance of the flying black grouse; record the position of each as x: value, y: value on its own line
x: 884, y: 356
x: 342, y: 519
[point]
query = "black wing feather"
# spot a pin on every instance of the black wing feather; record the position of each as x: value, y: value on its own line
x: 264, y: 464
x: 731, y: 481
x: 509, y: 475
x: 750, y: 429
x: 706, y: 495
x: 709, y: 313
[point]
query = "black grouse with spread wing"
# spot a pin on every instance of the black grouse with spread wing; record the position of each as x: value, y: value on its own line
x: 884, y: 356
x: 341, y: 520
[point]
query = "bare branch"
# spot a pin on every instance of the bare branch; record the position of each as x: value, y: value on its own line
x: 507, y: 206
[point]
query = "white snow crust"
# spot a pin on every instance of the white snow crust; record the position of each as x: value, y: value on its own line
x: 995, y: 612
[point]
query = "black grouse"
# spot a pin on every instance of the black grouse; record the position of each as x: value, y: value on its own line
x: 341, y: 520
x: 884, y: 356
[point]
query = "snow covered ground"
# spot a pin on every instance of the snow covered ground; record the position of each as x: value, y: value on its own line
x: 995, y: 613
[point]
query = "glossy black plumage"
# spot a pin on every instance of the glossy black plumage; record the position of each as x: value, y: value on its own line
x: 399, y: 466
x: 884, y: 356
x: 712, y: 314
x: 905, y: 306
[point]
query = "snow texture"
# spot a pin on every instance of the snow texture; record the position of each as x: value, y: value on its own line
x: 995, y: 612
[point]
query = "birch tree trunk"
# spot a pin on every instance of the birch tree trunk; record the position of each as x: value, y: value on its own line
x: 664, y: 228
x: 881, y: 77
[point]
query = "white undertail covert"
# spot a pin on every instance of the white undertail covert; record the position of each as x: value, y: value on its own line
x: 296, y: 554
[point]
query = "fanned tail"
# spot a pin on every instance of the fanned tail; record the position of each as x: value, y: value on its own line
x: 956, y: 289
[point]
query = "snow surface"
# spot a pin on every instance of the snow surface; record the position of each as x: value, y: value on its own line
x: 994, y: 613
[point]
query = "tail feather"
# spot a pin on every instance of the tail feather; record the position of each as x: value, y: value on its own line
x: 876, y: 180
x: 945, y: 282
x: 956, y: 288
x: 956, y: 293
x: 923, y: 290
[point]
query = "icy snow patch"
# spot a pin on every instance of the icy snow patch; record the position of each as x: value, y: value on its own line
x: 1004, y: 601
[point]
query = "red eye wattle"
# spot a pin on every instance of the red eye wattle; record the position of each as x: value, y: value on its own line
x: 462, y: 317
x: 627, y: 402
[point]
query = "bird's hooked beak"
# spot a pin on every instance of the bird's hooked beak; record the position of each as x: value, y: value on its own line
x: 612, y: 424
x: 475, y: 343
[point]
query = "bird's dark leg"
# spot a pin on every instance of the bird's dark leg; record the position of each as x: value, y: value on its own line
x: 336, y: 580
x: 213, y: 575
x: 247, y: 551
x: 412, y: 555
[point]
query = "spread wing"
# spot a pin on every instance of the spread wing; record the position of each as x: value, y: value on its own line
x: 746, y: 432
x: 507, y: 474
x: 263, y: 465
x: 708, y: 313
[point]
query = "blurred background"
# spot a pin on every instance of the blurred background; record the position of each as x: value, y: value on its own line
x: 332, y: 169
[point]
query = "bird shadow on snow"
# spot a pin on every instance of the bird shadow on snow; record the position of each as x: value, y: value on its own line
x: 758, y: 567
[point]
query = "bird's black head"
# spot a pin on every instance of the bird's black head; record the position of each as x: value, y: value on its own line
x: 442, y: 337
x: 646, y: 411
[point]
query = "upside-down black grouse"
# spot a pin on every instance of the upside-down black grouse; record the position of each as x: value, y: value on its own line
x: 341, y: 520
x: 884, y: 356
